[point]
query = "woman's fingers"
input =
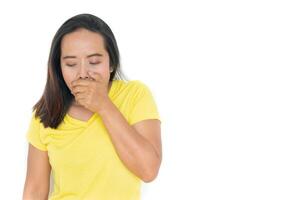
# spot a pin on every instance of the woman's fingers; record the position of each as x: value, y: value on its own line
x: 82, y: 82
x: 78, y: 89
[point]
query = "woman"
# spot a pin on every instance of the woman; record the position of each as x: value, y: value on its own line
x: 98, y: 134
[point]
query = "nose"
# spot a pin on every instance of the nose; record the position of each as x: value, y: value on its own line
x: 82, y: 71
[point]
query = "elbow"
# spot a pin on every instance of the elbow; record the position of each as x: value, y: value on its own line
x: 151, y: 170
x: 149, y: 178
x: 150, y: 175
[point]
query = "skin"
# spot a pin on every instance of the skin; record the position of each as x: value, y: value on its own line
x: 78, y: 58
x: 38, y: 175
x: 137, y: 145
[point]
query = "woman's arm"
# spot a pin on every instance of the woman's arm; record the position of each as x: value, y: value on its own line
x: 138, y: 146
x: 38, y: 175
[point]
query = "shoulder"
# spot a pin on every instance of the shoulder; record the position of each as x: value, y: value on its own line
x: 137, y: 85
x: 130, y: 83
x: 139, y: 89
x: 36, y: 121
x: 131, y: 86
x: 35, y: 118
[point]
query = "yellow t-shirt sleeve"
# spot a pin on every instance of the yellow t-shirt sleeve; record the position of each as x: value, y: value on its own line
x: 143, y: 104
x: 33, y: 133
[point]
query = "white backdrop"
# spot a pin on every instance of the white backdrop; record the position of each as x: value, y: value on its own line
x: 225, y: 75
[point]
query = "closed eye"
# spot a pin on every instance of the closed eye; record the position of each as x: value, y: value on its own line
x: 71, y: 65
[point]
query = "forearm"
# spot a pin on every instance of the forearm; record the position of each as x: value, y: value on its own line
x: 133, y: 149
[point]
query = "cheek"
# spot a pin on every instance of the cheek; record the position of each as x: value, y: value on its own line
x: 103, y: 70
x: 68, y: 77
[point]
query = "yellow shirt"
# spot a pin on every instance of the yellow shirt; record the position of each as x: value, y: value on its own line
x: 84, y: 162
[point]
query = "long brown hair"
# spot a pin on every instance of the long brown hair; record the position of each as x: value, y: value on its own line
x: 57, y: 98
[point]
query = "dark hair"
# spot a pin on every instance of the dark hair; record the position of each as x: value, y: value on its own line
x: 57, y: 98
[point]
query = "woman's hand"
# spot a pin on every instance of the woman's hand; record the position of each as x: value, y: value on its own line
x: 92, y: 94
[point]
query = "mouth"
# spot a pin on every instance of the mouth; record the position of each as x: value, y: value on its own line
x: 87, y: 78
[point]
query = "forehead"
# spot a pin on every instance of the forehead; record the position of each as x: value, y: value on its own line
x: 81, y: 42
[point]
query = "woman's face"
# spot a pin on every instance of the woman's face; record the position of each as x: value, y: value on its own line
x: 83, y: 51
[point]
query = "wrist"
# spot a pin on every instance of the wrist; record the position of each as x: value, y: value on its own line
x: 105, y: 106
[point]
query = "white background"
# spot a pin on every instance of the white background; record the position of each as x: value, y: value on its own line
x: 225, y: 75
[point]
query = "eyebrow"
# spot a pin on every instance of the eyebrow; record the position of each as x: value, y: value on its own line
x: 94, y: 54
